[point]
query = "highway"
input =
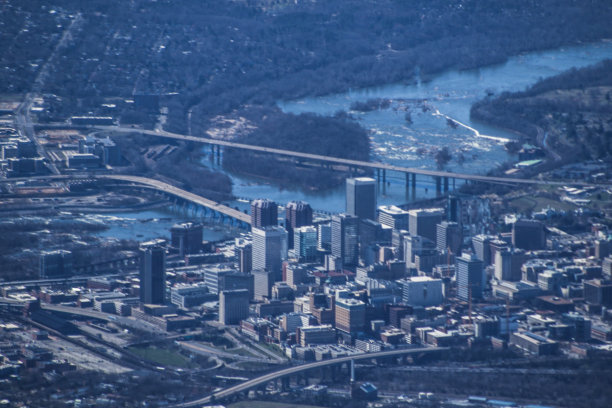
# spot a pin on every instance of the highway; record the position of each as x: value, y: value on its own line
x: 330, y: 159
x: 264, y: 379
x: 148, y: 182
x: 183, y: 194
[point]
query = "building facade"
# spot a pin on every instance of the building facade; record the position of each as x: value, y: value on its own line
x: 361, y: 197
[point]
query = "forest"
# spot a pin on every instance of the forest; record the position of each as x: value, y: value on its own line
x: 573, y: 111
x: 336, y: 136
x: 208, y: 58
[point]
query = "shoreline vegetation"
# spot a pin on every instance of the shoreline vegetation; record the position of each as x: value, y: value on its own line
x: 209, y: 59
x: 568, y: 115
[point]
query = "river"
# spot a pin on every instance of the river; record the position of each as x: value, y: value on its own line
x: 449, y: 94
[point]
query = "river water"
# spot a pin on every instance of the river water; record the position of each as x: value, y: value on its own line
x: 448, y: 95
x: 393, y: 139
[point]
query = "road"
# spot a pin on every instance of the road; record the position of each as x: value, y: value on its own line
x: 23, y: 121
x: 151, y: 183
x: 183, y: 194
x: 542, y: 140
x: 200, y: 348
x: 264, y: 379
x: 330, y: 159
x: 107, y: 317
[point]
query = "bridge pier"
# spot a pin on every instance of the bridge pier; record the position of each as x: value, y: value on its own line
x: 378, y: 175
x: 438, y: 185
x: 446, y: 184
x: 218, y: 155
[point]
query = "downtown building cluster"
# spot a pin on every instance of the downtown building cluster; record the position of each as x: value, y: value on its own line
x: 441, y: 273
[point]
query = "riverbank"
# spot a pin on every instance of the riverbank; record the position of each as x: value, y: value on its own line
x: 568, y: 115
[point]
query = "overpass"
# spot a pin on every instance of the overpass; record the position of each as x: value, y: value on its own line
x: 168, y: 189
x: 410, y: 172
x: 77, y: 311
x: 264, y: 379
x: 182, y: 194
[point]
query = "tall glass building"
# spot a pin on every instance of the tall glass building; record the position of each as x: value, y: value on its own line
x: 361, y: 197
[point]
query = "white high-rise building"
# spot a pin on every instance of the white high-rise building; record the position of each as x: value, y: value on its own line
x: 422, y: 291
x: 269, y: 249
x: 393, y: 216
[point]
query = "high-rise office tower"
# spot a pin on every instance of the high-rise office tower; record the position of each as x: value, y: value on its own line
x: 393, y: 217
x: 470, y: 277
x: 234, y: 281
x: 482, y: 248
x: 345, y: 238
x: 421, y: 291
x: 454, y: 208
x: 233, y: 306
x: 423, y: 222
x: 361, y: 197
x: 449, y: 237
x: 414, y: 245
x: 297, y: 214
x: 262, y: 283
x: 496, y: 245
x: 269, y: 249
x: 187, y: 237
x: 153, y: 273
x: 397, y: 242
x: 529, y: 235
x: 370, y: 233
x: 245, y: 256
x: 350, y: 315
x: 305, y: 239
x: 263, y: 213
x: 508, y: 263
x: 55, y: 264
x: 324, y: 237
x: 213, y: 276
x: 295, y: 274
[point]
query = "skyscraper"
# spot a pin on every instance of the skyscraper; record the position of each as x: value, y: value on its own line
x: 470, y: 277
x: 153, y: 273
x: 361, y: 197
x: 264, y: 213
x: 213, y: 276
x: 297, y: 214
x: 393, y: 216
x: 305, y: 239
x: 269, y: 249
x: 324, y: 237
x: 529, y: 235
x: 423, y: 222
x: 482, y: 248
x: 244, y: 251
x: 350, y: 315
x: 448, y: 237
x: 345, y: 238
x: 421, y: 291
x: 262, y: 283
x: 508, y: 263
x: 233, y: 306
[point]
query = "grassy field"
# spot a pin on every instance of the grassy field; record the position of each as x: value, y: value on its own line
x: 162, y: 357
x: 268, y: 404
